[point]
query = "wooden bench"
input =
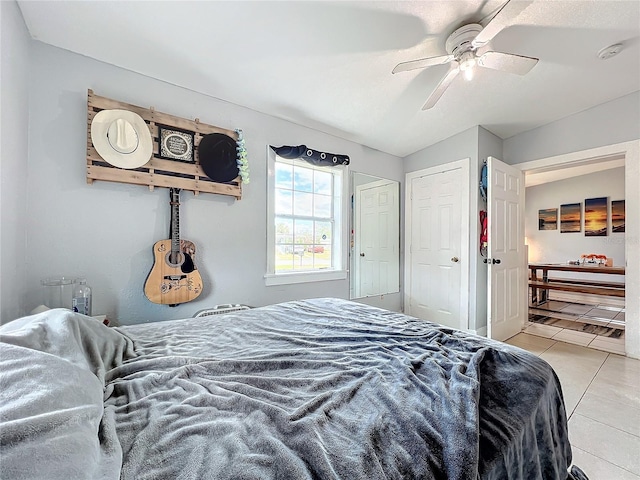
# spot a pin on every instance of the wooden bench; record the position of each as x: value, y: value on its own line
x: 540, y: 285
x: 578, y: 286
x: 593, y: 283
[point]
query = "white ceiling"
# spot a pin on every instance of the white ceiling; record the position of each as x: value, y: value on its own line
x: 327, y: 65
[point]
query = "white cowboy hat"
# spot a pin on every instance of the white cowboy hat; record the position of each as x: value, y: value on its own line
x: 122, y: 138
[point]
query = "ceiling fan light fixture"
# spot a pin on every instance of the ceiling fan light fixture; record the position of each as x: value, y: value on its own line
x: 462, y: 48
x: 467, y: 64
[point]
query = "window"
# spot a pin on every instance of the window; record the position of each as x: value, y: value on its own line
x: 305, y: 216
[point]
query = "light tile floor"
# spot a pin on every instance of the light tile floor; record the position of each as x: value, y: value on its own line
x: 567, y: 313
x: 602, y: 399
x: 595, y: 314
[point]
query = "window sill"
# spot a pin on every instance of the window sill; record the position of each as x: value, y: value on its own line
x: 306, y: 277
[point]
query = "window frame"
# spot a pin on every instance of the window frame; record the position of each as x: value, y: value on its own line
x: 341, y: 224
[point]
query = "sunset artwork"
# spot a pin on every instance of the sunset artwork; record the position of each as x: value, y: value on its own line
x: 596, y: 217
x: 548, y: 219
x: 617, y: 216
x: 570, y: 217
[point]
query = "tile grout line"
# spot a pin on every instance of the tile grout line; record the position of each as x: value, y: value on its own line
x: 579, y: 315
x: 605, y: 459
x: 574, y: 343
x: 522, y: 332
x: 606, y: 424
x: 546, y: 349
x: 623, y: 403
x: 587, y: 387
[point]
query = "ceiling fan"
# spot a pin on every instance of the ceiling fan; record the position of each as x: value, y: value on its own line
x: 462, y: 48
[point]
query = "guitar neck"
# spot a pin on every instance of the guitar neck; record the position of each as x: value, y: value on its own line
x: 175, y: 220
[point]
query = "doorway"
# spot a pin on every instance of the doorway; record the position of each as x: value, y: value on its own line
x: 376, y: 241
x: 629, y: 154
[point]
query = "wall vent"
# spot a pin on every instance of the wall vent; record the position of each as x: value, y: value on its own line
x: 220, y: 309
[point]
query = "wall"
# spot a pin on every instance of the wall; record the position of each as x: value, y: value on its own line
x: 105, y: 231
x: 606, y: 124
x: 456, y: 147
x: 14, y: 98
x: 609, y: 129
x: 465, y: 144
x: 551, y: 246
x: 632, y: 250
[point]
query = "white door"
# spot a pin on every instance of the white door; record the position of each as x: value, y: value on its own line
x: 437, y: 277
x: 507, y: 294
x: 377, y: 245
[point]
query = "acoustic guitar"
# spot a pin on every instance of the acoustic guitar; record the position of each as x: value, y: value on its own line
x: 174, y: 278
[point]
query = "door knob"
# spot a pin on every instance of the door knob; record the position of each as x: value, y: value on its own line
x: 495, y: 260
x: 455, y: 259
x: 362, y: 254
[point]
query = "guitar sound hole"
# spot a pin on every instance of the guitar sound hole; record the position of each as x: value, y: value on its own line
x: 174, y: 259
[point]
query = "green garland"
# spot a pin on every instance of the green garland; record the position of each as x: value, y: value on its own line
x: 243, y: 162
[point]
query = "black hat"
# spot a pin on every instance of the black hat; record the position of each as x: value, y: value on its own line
x: 218, y: 157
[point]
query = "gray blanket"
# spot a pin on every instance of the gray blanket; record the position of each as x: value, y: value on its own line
x: 322, y: 389
x: 52, y: 423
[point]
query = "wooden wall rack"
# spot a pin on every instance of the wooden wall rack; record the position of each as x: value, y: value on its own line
x: 157, y: 172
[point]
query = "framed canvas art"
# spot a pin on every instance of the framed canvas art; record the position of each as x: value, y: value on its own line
x: 596, y: 217
x: 570, y: 217
x: 548, y: 219
x: 617, y: 216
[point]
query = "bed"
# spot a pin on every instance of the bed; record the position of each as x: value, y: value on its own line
x: 314, y: 389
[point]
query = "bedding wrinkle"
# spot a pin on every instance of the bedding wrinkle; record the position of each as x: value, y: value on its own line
x: 53, y: 424
x: 323, y: 389
x: 545, y: 442
x: 360, y: 368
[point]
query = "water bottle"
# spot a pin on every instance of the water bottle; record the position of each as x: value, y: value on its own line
x: 81, y: 301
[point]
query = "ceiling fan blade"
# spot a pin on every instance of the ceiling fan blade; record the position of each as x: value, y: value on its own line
x: 502, y: 19
x: 442, y: 86
x: 422, y: 63
x: 507, y: 62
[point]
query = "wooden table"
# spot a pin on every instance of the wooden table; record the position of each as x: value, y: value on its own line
x: 540, y: 285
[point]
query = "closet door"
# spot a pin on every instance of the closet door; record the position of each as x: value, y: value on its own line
x: 437, y: 276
